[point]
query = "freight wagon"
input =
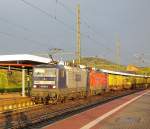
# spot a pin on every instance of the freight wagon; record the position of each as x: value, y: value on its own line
x: 121, y: 81
x: 97, y: 82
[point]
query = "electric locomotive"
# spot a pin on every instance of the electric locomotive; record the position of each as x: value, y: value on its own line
x: 53, y: 83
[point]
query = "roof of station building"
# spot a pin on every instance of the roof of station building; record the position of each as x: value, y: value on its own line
x: 23, y: 59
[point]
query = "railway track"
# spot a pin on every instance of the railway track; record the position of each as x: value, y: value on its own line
x: 42, y: 115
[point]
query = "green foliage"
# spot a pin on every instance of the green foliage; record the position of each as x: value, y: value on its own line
x: 102, y: 64
x: 3, y: 80
x: 105, y: 64
x: 10, y: 81
x: 145, y: 70
x: 12, y: 89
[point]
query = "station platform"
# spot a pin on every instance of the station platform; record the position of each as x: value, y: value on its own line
x: 10, y: 95
x: 129, y: 112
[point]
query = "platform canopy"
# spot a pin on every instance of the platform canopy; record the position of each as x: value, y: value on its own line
x: 24, y: 62
x: 19, y: 59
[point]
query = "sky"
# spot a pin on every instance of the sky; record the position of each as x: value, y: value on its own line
x: 35, y: 26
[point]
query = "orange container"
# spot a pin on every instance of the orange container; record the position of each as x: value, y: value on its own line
x: 97, y: 80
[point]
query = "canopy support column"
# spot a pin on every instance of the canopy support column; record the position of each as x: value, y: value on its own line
x: 23, y: 81
x: 28, y: 81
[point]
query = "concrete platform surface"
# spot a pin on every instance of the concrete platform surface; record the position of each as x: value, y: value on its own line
x: 129, y: 112
x: 10, y: 95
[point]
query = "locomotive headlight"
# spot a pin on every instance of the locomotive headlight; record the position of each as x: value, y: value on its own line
x: 54, y: 86
x: 34, y: 86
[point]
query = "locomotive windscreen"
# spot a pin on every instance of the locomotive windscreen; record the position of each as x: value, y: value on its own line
x: 44, y: 77
x: 45, y: 72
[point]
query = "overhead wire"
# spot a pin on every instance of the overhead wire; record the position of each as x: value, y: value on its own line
x: 44, y: 12
x: 24, y: 38
x: 53, y: 17
x: 66, y: 7
x: 48, y: 14
x: 21, y: 27
x: 55, y: 10
x: 13, y: 24
x: 84, y: 23
x: 83, y: 18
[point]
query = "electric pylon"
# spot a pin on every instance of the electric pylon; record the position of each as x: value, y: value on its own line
x: 78, y: 40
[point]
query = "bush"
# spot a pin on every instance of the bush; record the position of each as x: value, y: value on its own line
x: 8, y: 90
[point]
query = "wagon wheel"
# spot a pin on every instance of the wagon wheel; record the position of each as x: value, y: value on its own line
x: 36, y: 100
x: 64, y: 99
x: 56, y: 98
x: 46, y: 100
